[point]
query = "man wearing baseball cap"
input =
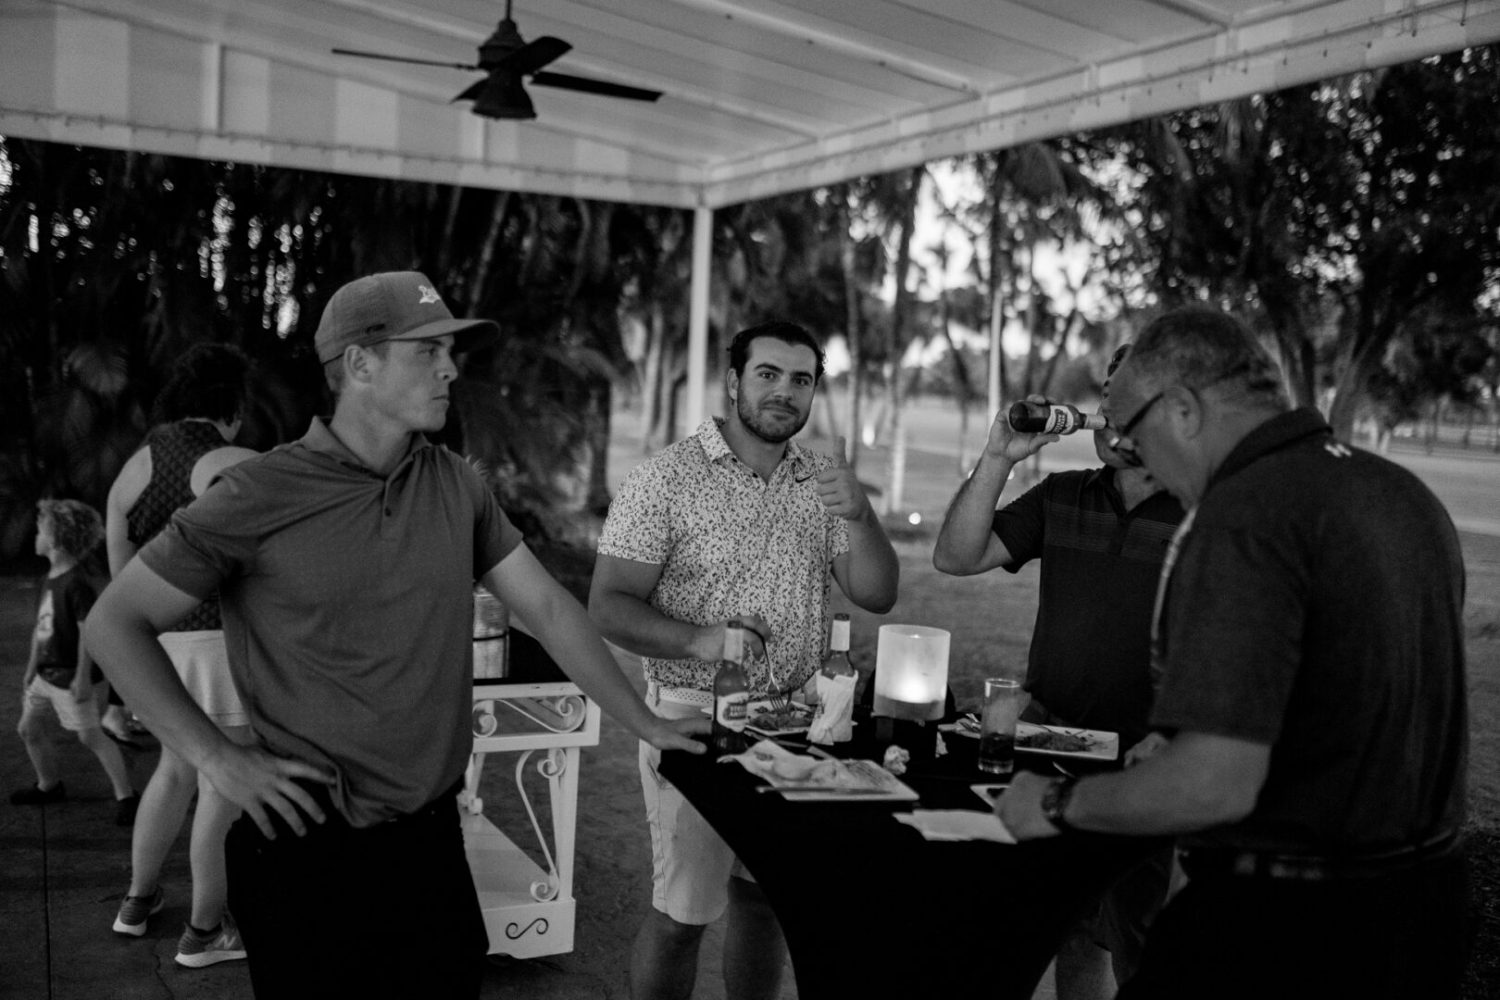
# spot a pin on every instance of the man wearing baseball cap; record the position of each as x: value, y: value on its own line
x: 345, y: 563
x: 394, y: 305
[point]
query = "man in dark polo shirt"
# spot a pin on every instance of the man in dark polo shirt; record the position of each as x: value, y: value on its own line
x: 1101, y: 535
x: 345, y: 564
x: 1311, y: 649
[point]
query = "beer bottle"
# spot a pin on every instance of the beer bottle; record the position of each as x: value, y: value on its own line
x: 1053, y: 418
x: 731, y: 694
x: 832, y: 723
x: 837, y: 662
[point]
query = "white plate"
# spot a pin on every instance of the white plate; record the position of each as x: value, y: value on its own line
x: 801, y: 778
x: 1101, y: 745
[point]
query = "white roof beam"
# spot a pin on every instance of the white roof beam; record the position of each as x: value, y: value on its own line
x: 836, y: 37
x: 1280, y: 50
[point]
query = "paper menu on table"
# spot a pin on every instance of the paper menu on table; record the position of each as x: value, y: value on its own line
x: 957, y: 824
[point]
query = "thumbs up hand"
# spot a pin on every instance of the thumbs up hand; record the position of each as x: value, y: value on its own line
x: 839, y: 488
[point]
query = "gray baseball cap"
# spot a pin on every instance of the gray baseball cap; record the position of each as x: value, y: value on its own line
x: 392, y: 305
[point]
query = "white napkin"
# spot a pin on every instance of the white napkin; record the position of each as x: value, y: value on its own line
x: 771, y: 761
x: 833, y: 722
x: 957, y: 824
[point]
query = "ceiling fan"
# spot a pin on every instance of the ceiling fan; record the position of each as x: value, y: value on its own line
x: 505, y: 58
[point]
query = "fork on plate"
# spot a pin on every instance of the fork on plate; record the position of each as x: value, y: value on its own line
x: 780, y: 701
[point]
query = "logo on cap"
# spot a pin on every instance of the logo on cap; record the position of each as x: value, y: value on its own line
x: 428, y: 295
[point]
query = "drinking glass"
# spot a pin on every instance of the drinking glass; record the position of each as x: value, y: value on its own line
x: 1003, y: 700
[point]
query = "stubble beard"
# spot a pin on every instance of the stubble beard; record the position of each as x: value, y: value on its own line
x: 753, y: 423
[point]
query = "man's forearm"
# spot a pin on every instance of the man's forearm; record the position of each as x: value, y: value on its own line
x: 1192, y: 784
x: 966, y: 527
x: 636, y: 625
x: 874, y: 571
x: 570, y: 638
x: 140, y: 670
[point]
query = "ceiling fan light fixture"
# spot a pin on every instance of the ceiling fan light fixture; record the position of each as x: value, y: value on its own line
x: 503, y: 97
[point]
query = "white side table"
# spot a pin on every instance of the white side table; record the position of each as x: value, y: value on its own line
x: 528, y: 910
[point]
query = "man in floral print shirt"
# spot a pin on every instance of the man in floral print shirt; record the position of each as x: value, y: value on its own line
x: 735, y: 522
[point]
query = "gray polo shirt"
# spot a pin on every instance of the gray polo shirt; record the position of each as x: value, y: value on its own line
x: 347, y: 608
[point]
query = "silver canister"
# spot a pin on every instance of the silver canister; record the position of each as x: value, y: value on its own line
x: 491, y: 637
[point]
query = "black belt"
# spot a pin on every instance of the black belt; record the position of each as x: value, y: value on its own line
x: 1201, y: 862
x: 440, y: 806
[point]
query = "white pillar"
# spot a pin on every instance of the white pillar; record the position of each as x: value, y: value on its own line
x: 697, y: 373
x: 997, y: 322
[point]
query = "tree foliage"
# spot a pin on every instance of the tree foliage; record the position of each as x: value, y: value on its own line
x: 1346, y: 216
x: 114, y: 262
x: 1354, y: 220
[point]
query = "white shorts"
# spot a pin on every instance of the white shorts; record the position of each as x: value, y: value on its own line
x: 75, y: 716
x: 690, y: 863
x: 203, y: 665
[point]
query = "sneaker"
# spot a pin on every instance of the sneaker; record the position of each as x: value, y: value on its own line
x: 126, y: 730
x: 135, y: 910
x: 223, y: 945
x: 35, y: 795
x: 125, y: 739
x: 125, y: 810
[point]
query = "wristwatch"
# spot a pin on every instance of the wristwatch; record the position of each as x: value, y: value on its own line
x: 1055, y: 802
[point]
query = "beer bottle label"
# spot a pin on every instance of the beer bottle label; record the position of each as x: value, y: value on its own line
x: 732, y: 710
x: 1059, y: 421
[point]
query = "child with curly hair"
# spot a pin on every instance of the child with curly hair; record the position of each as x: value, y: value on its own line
x: 61, y: 676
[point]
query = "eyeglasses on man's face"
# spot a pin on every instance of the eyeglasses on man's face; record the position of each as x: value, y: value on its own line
x: 1122, y: 443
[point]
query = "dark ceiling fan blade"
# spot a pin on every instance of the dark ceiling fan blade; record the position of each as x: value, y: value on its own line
x: 403, y: 59
x: 472, y: 92
x: 566, y: 81
x: 528, y: 58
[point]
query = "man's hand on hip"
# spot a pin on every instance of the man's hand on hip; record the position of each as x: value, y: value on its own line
x: 259, y: 782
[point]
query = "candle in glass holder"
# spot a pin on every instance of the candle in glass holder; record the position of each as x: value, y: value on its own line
x: 911, y: 672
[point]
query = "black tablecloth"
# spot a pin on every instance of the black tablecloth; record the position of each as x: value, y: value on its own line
x: 871, y: 909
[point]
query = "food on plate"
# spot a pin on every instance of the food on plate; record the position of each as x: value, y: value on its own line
x: 795, y: 767
x: 1049, y: 739
x: 804, y: 769
x: 797, y: 717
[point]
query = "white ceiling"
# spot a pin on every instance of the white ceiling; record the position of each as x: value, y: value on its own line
x: 761, y: 96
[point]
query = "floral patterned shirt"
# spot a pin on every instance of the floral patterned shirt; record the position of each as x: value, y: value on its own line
x: 730, y: 543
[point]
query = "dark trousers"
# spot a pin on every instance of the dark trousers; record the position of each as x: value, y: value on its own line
x: 1401, y: 936
x: 383, y: 911
x: 1127, y: 909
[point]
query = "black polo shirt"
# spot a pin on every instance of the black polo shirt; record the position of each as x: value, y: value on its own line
x: 1316, y: 606
x: 1090, y: 650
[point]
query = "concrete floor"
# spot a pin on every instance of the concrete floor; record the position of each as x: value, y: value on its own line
x: 64, y: 868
